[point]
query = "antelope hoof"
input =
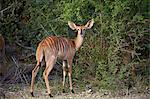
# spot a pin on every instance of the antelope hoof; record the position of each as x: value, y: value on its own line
x: 50, y: 95
x: 72, y: 91
x: 32, y: 94
x: 63, y: 91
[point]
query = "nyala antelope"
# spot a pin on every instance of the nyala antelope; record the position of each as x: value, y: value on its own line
x: 54, y: 47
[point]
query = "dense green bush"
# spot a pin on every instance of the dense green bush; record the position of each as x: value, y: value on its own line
x: 115, y: 51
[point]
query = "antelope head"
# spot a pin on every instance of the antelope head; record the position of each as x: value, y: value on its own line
x: 81, y: 31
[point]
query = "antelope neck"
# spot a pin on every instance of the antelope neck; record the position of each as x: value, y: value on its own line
x: 78, y: 41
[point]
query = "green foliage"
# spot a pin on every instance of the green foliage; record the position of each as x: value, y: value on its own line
x: 125, y: 17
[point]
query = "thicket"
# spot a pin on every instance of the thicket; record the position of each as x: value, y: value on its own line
x: 115, y: 52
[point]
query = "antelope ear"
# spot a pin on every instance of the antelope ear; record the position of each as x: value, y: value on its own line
x: 72, y: 25
x: 89, y: 24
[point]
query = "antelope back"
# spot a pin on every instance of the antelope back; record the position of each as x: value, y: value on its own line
x: 53, y: 46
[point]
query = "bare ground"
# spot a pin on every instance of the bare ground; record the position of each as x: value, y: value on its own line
x: 22, y: 92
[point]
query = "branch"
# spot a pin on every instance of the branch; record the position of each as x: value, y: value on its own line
x: 44, y: 29
x: 6, y: 9
x: 31, y: 54
x: 19, y: 71
x: 132, y: 53
x: 26, y: 47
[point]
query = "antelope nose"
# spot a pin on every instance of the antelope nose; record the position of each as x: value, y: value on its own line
x: 81, y: 32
